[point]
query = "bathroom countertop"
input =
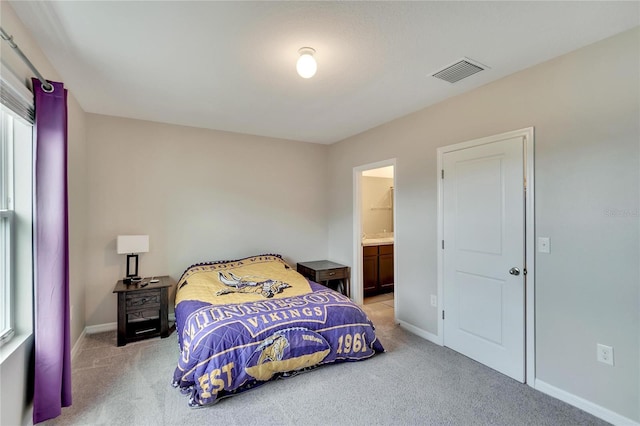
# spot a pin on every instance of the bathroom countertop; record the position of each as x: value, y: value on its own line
x: 377, y: 241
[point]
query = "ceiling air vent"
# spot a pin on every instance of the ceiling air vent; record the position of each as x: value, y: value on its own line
x: 461, y: 69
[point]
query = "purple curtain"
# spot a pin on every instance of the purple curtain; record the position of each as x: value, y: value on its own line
x: 52, y: 374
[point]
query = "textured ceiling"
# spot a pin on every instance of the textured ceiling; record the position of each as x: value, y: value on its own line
x: 231, y: 65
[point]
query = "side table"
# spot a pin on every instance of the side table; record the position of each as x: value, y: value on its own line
x: 135, y: 302
x: 327, y: 273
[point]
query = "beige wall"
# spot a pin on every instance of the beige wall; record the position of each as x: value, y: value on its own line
x: 585, y: 110
x: 200, y: 195
x: 77, y: 186
x: 14, y: 404
x: 377, y: 204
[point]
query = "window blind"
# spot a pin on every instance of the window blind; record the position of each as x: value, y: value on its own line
x: 15, y: 95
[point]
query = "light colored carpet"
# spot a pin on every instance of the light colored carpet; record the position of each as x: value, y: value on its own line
x: 414, y: 382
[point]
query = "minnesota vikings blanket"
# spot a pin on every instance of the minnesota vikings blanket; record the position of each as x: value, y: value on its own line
x: 244, y: 322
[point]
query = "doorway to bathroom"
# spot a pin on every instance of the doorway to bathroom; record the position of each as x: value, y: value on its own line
x: 374, y: 271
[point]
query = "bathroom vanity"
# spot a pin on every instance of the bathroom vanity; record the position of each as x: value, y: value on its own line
x: 377, y: 266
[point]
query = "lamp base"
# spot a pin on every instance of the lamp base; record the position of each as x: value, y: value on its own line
x: 131, y: 280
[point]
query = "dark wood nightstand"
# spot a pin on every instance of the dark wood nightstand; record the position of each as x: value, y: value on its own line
x: 143, y: 311
x: 330, y: 274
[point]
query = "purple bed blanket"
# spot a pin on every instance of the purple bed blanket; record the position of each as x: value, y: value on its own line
x: 275, y: 324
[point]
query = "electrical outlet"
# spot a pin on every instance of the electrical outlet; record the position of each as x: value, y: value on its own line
x: 605, y: 354
x: 434, y: 300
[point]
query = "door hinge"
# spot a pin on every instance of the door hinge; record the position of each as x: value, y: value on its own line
x: 442, y: 244
x: 443, y: 314
x: 442, y: 173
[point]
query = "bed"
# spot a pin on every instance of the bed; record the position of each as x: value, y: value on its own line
x: 245, y: 322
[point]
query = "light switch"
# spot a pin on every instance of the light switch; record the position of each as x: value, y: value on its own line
x: 543, y: 244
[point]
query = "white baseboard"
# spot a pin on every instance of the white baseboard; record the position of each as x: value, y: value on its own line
x: 76, y: 346
x: 93, y: 329
x: 420, y: 332
x: 588, y: 406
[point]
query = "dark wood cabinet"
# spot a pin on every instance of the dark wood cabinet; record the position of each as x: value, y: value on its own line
x: 370, y: 270
x: 327, y: 273
x: 377, y: 269
x: 143, y: 309
x: 385, y: 268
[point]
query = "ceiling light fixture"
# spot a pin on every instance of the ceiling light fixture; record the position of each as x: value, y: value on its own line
x: 306, y: 65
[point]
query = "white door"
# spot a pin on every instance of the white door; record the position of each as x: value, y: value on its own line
x: 484, y: 238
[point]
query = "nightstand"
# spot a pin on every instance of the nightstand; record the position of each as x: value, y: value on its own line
x: 330, y: 274
x: 143, y: 311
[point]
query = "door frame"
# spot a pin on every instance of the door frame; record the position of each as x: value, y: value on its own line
x: 356, y: 270
x: 529, y: 213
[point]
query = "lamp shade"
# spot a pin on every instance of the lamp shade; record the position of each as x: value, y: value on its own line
x: 133, y: 244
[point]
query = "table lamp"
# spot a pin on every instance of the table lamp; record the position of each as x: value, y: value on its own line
x: 131, y: 245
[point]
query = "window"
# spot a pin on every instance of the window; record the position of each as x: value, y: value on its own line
x: 16, y: 210
x: 6, y: 225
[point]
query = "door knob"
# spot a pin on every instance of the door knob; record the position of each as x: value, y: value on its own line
x: 514, y: 271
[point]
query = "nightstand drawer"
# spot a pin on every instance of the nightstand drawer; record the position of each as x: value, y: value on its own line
x: 143, y: 299
x: 332, y: 274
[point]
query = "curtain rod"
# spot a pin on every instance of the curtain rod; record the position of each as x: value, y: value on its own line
x: 46, y: 86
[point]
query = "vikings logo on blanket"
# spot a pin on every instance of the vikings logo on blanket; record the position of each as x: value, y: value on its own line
x: 246, y: 280
x: 287, y: 350
x: 267, y: 287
